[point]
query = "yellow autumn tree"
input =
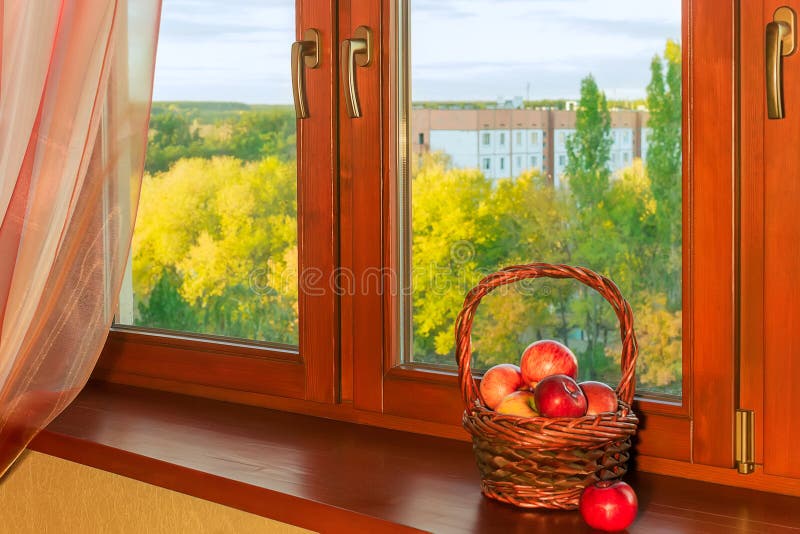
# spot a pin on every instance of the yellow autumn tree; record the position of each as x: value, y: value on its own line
x: 224, y: 233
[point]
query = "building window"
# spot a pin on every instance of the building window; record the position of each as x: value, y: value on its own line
x: 519, y: 161
x: 519, y: 138
x: 562, y: 137
x: 502, y: 139
x: 421, y: 138
x: 562, y: 160
x: 487, y: 164
x: 486, y: 139
x: 626, y: 157
x: 626, y: 137
x: 534, y: 138
x: 502, y: 163
x: 534, y: 161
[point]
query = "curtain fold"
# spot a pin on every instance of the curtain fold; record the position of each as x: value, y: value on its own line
x: 75, y: 87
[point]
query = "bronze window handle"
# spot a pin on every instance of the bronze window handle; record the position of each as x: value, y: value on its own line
x: 354, y: 52
x: 306, y: 50
x: 780, y: 42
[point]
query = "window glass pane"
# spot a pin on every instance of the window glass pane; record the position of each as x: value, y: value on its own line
x: 603, y: 81
x: 215, y: 246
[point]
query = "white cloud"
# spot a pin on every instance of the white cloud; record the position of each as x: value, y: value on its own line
x: 461, y: 49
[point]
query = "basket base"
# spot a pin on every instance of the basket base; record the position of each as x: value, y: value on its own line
x: 529, y: 497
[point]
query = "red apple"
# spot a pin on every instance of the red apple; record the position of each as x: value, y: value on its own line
x: 499, y: 382
x: 601, y: 398
x: 547, y: 357
x: 609, y: 506
x: 519, y: 403
x: 560, y: 396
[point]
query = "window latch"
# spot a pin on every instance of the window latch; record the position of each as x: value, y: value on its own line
x: 780, y: 36
x: 307, y: 52
x: 355, y: 52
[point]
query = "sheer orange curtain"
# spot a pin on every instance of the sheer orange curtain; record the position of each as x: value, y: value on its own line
x: 75, y: 86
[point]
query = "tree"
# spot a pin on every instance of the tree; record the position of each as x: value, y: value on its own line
x: 165, y: 308
x: 589, y: 152
x: 532, y: 224
x: 259, y: 134
x: 453, y: 246
x: 177, y: 132
x: 172, y: 136
x: 664, y: 165
x: 589, y: 148
x: 226, y: 233
x: 664, y: 142
x: 170, y: 128
x: 659, y: 335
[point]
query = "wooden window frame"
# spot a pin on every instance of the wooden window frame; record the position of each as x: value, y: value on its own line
x: 309, y: 371
x: 700, y: 428
x: 349, y: 366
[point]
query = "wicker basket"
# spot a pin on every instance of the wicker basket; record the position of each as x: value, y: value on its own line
x: 545, y: 462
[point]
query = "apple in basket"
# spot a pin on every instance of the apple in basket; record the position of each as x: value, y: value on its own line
x: 547, y: 357
x: 560, y: 396
x: 499, y: 382
x: 601, y: 398
x: 520, y: 403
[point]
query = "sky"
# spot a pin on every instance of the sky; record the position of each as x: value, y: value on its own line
x: 460, y: 49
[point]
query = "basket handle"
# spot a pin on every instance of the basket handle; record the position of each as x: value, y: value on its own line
x: 515, y: 273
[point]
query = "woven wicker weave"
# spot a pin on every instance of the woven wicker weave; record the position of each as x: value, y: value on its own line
x: 545, y: 462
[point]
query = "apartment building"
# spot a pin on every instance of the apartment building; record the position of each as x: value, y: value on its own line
x: 507, y: 142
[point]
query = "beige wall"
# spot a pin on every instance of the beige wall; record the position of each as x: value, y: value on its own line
x: 47, y: 495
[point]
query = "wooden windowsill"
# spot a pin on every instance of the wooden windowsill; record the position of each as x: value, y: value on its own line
x: 331, y: 476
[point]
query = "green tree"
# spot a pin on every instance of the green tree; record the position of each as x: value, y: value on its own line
x: 592, y: 231
x: 177, y: 132
x: 172, y: 136
x: 589, y: 148
x: 664, y: 142
x: 259, y: 134
x: 630, y: 235
x: 170, y: 127
x: 165, y: 307
x: 664, y: 165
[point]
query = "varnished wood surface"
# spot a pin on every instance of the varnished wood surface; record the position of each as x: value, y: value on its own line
x: 317, y: 232
x: 752, y: 108
x: 208, y: 362
x: 781, y: 384
x: 709, y: 226
x: 362, y: 141
x: 757, y: 480
x: 339, y: 477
